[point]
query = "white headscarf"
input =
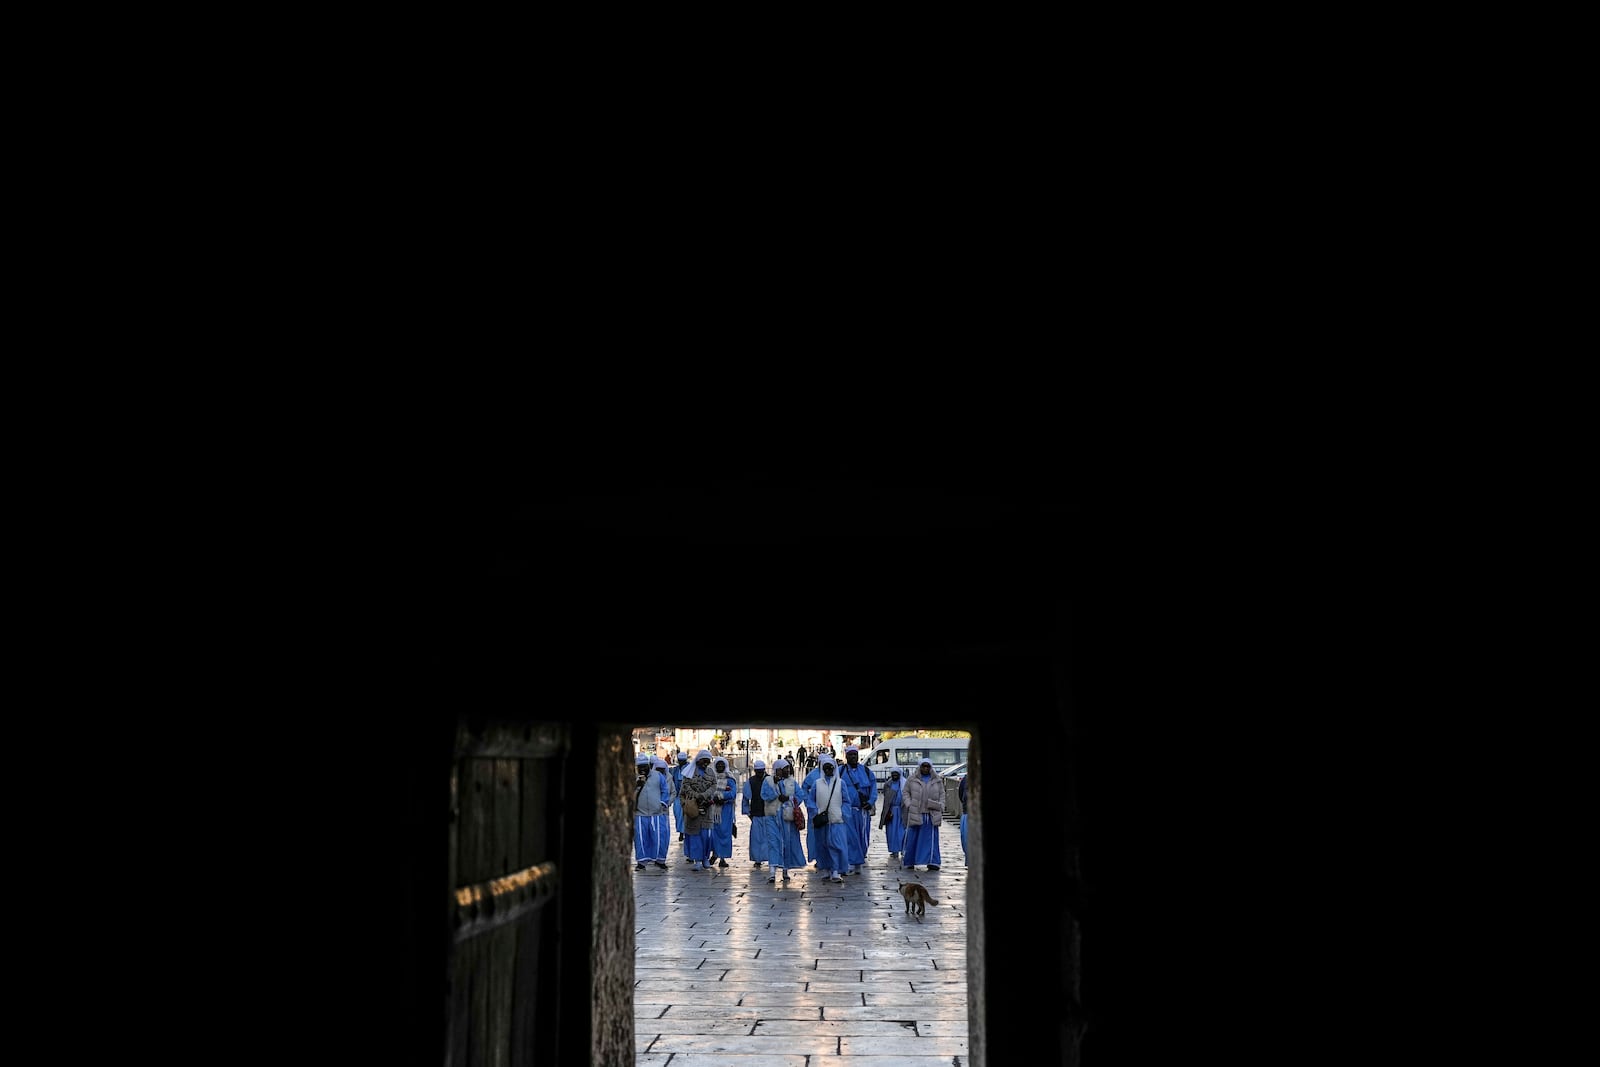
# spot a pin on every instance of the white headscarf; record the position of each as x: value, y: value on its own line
x: 829, y: 761
x: 704, y: 753
x: 758, y: 765
x: 779, y: 762
x: 643, y: 759
x: 720, y: 765
x: 659, y: 764
x: 928, y: 763
x: 850, y: 748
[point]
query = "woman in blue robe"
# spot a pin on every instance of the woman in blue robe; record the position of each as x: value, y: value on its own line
x: 664, y: 820
x: 722, y: 826
x: 893, y: 819
x: 834, y: 835
x: 677, y: 797
x: 789, y: 851
x: 808, y: 794
x: 699, y: 785
x: 758, y: 798
x: 963, y: 791
x: 923, y: 802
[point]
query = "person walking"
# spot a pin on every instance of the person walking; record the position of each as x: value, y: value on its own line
x: 893, y: 820
x: 808, y: 795
x: 757, y: 795
x: 860, y: 797
x: 677, y: 791
x: 722, y: 830
x: 649, y: 802
x: 800, y: 756
x: 924, y: 808
x: 833, y: 833
x: 963, y: 792
x: 788, y: 849
x: 664, y: 818
x: 699, y: 785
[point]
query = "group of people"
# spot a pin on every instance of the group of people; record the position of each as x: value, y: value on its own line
x: 707, y: 836
x: 838, y: 801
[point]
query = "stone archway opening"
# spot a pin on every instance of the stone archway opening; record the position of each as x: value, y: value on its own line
x: 765, y: 739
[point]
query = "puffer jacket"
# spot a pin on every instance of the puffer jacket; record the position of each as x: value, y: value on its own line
x: 923, y: 799
x: 703, y: 788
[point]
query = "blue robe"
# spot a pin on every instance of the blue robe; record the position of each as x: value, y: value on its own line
x: 835, y: 852
x: 762, y: 832
x: 677, y: 801
x: 722, y: 832
x: 809, y: 795
x: 648, y: 844
x: 963, y: 818
x: 894, y: 830
x: 790, y: 851
x: 922, y: 842
x: 663, y: 833
x: 832, y: 848
x: 860, y: 787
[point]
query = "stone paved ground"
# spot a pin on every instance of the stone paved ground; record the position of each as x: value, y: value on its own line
x: 730, y: 969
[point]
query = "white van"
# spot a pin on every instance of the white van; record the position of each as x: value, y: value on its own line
x: 907, y: 753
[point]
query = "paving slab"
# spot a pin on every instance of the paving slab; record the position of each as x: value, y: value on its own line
x: 730, y: 969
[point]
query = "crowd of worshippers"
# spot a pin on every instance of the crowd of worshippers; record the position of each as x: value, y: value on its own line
x: 828, y: 815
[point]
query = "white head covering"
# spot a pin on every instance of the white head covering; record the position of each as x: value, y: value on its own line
x: 759, y: 765
x: 925, y: 763
x: 719, y: 764
x: 779, y: 762
x: 659, y: 764
x: 683, y: 757
x: 829, y: 761
x: 643, y: 758
x: 850, y: 748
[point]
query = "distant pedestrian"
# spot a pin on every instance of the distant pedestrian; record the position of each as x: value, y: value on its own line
x: 800, y: 755
x: 788, y: 851
x: 757, y: 795
x: 893, y: 820
x: 723, y: 830
x: 924, y: 807
x: 699, y: 785
x: 650, y: 802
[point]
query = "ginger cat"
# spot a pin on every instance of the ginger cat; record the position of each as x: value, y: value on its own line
x: 915, y: 893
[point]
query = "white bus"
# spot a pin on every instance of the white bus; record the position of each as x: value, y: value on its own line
x: 906, y: 753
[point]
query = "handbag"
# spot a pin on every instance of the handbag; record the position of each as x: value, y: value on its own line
x: 799, y: 816
x: 821, y: 818
x: 691, y: 808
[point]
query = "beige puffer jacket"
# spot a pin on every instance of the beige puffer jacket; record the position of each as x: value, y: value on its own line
x: 923, y: 799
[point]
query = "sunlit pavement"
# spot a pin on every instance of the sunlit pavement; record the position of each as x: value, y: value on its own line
x: 730, y: 969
